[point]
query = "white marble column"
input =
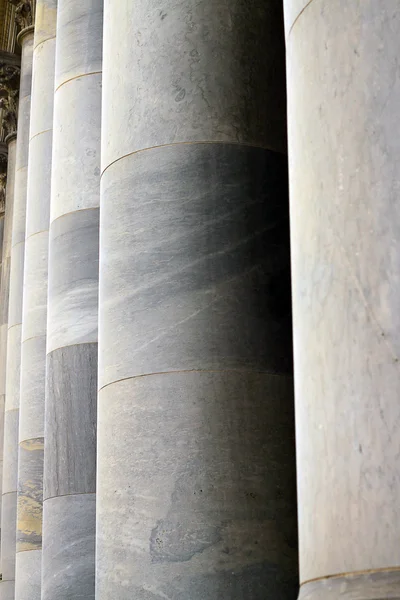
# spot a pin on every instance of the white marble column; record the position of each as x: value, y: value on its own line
x: 344, y: 155
x: 10, y: 468
x: 196, y: 478
x: 33, y: 359
x: 70, y: 431
x: 5, y: 286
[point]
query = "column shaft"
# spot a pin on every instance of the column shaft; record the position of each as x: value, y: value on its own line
x: 11, y: 421
x: 196, y: 479
x: 70, y: 430
x: 5, y: 285
x: 33, y: 359
x: 344, y: 110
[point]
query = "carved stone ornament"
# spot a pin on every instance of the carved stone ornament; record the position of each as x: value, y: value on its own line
x: 3, y: 177
x: 23, y: 13
x: 9, y: 87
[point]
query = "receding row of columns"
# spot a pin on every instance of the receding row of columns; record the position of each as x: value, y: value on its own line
x: 149, y: 446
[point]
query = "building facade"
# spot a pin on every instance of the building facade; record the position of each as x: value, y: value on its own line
x: 177, y: 330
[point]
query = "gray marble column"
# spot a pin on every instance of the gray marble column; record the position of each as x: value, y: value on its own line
x: 70, y: 430
x: 33, y: 359
x: 196, y: 477
x: 11, y: 421
x: 344, y: 150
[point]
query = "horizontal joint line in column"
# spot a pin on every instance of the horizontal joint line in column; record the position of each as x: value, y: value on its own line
x: 352, y: 574
x: 53, y: 37
x: 68, y: 495
x: 21, y: 168
x: 30, y: 550
x: 8, y: 493
x: 244, y: 371
x: 193, y: 143
x: 34, y: 337
x: 15, y: 325
x: 10, y: 410
x: 75, y: 211
x: 299, y: 15
x: 7, y: 581
x: 36, y: 233
x: 31, y: 439
x: 40, y: 133
x: 17, y: 244
x: 77, y: 77
x: 69, y: 346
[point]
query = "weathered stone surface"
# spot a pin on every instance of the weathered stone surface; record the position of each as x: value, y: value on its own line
x: 71, y: 421
x: 8, y: 527
x: 45, y: 22
x: 10, y: 464
x: 16, y: 283
x: 33, y: 376
x: 30, y: 495
x: 28, y: 568
x: 196, y: 487
x: 77, y: 133
x: 79, y: 35
x: 73, y: 279
x: 35, y: 286
x: 198, y: 71
x: 43, y: 80
x: 69, y: 547
x: 39, y: 182
x: 193, y: 267
x: 344, y: 92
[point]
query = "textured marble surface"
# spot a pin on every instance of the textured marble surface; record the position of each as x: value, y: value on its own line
x: 28, y: 567
x: 194, y: 265
x: 73, y: 279
x: 363, y: 586
x: 25, y: 86
x: 195, y: 71
x: 71, y: 421
x: 30, y: 495
x: 77, y: 52
x: 7, y: 590
x: 76, y: 141
x: 16, y: 285
x: 35, y: 286
x: 19, y: 212
x: 344, y: 91
x: 8, y: 526
x: 33, y: 375
x: 293, y: 10
x: 196, y: 488
x: 13, y: 367
x: 45, y: 21
x: 42, y: 83
x: 39, y: 183
x: 10, y: 463
x: 69, y: 547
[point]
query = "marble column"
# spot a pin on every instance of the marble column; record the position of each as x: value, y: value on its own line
x: 33, y: 359
x: 196, y: 477
x: 9, y: 89
x: 11, y: 421
x: 344, y: 152
x: 5, y: 288
x: 70, y: 430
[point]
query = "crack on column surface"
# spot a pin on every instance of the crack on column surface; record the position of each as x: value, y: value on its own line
x: 351, y: 574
